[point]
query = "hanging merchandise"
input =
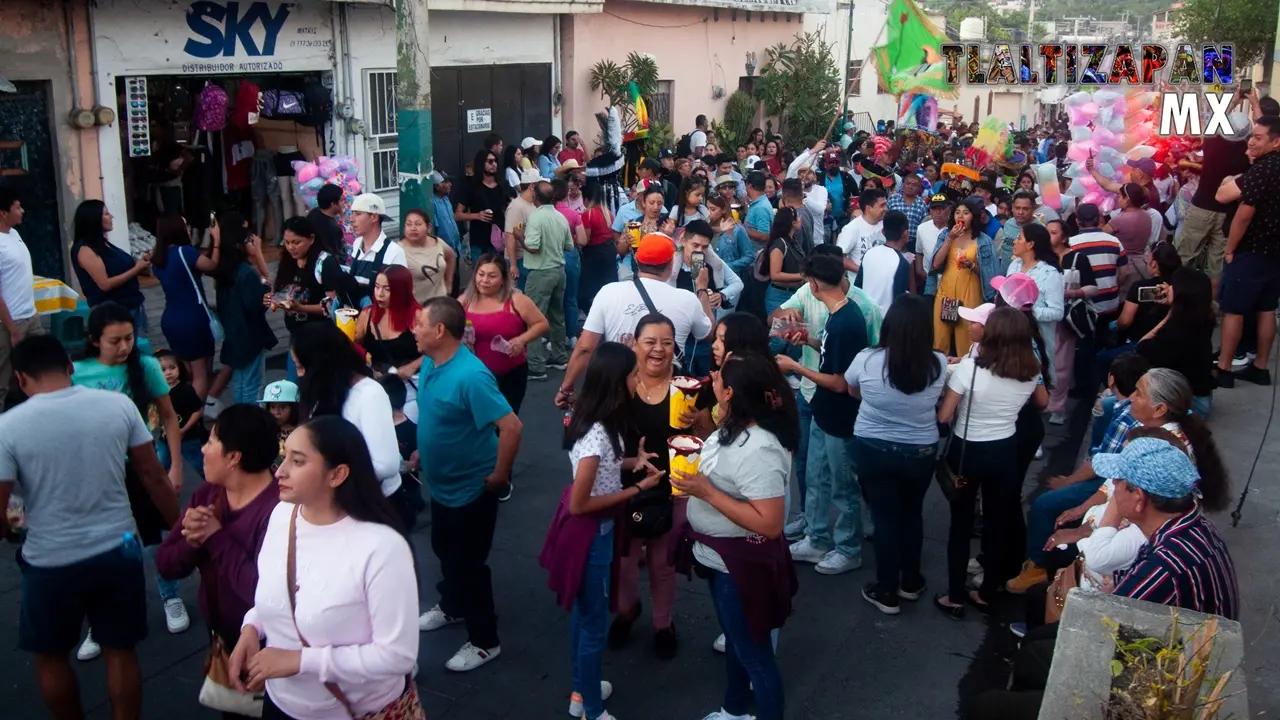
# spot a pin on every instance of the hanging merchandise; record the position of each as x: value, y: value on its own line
x: 1107, y: 130
x: 339, y: 170
x: 211, y: 108
x: 141, y: 242
x: 138, y: 116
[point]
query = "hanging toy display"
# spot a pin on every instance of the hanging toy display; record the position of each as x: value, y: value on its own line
x: 1109, y: 129
x: 340, y: 170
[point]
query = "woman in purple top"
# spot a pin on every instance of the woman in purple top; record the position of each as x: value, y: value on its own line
x: 222, y: 528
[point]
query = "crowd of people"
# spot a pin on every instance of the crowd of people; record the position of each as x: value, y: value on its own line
x: 768, y: 356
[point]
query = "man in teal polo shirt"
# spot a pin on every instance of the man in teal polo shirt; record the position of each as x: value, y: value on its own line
x: 759, y: 212
x: 468, y: 438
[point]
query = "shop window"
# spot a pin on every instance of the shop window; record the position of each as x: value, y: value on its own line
x: 661, y: 108
x: 855, y: 77
x: 380, y: 89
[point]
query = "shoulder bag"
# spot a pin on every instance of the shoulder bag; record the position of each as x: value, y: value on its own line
x: 1056, y: 599
x: 217, y: 692
x: 405, y: 707
x: 951, y: 482
x: 1081, y: 316
x: 648, y: 303
x: 215, y: 325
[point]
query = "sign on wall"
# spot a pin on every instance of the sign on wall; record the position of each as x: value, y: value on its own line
x: 204, y: 37
x: 480, y: 120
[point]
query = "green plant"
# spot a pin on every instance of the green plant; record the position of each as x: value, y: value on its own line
x: 661, y: 137
x: 1250, y: 26
x: 801, y: 87
x: 1164, y: 678
x: 726, y: 139
x: 613, y: 82
x: 739, y: 113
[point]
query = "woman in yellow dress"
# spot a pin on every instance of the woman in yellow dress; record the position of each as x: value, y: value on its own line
x: 961, y: 268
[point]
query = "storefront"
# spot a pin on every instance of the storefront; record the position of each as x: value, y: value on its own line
x: 298, y: 80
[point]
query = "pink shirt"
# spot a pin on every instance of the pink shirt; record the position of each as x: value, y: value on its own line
x: 357, y: 596
x: 573, y: 216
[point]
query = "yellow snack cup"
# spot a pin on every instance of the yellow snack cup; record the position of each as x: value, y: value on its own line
x: 346, y: 319
x: 685, y: 455
x: 633, y: 229
x: 685, y: 394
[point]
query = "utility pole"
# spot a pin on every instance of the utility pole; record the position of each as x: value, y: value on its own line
x: 1031, y: 22
x: 413, y: 106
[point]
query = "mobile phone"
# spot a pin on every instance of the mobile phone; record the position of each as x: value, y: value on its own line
x: 699, y: 260
x: 1149, y: 294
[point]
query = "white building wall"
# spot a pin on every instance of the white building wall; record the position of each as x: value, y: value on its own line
x: 868, y: 26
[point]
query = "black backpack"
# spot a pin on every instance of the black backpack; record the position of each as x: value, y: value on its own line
x: 684, y: 146
x: 319, y: 105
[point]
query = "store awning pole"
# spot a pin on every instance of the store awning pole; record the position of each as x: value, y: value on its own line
x: 413, y: 106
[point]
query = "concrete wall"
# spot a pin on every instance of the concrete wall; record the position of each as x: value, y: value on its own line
x: 868, y: 27
x: 33, y: 46
x: 693, y: 49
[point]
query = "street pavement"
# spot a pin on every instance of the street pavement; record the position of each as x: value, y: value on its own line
x: 840, y: 658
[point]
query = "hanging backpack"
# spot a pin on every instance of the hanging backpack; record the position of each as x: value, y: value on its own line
x: 211, y: 108
x: 319, y: 105
x: 283, y: 104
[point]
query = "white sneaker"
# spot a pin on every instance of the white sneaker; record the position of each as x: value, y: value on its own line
x: 470, y: 657
x: 175, y: 616
x: 575, y: 700
x: 718, y: 645
x: 722, y: 715
x: 88, y: 649
x: 794, y: 530
x: 212, y: 406
x: 434, y: 619
x: 804, y: 551
x: 1058, y: 419
x: 837, y: 562
x: 1241, y: 361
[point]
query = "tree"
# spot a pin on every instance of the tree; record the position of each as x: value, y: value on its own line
x: 1249, y: 26
x: 613, y: 82
x: 800, y: 85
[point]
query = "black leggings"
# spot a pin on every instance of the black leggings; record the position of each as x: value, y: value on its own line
x: 513, y: 385
x: 992, y: 468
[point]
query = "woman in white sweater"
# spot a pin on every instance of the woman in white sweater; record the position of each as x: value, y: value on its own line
x: 333, y: 379
x: 337, y: 596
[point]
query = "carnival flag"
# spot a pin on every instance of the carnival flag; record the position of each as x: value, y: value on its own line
x: 911, y: 59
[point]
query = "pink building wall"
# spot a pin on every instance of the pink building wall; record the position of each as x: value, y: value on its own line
x: 693, y: 49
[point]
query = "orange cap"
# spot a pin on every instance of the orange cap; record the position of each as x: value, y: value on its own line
x: 655, y: 249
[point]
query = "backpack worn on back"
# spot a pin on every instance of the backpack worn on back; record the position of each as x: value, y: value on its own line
x: 684, y: 147
x: 211, y: 108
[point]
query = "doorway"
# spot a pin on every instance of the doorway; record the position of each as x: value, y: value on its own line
x: 518, y: 98
x: 27, y: 160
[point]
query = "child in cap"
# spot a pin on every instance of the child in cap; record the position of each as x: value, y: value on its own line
x: 280, y: 398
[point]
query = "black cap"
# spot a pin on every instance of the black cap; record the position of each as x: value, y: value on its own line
x: 652, y: 165
x: 667, y: 153
x: 939, y: 199
x: 1088, y: 214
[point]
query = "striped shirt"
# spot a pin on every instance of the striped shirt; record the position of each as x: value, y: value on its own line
x: 1184, y: 564
x: 1106, y: 257
x: 916, y: 213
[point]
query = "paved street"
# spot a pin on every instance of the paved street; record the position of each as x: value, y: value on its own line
x: 840, y: 658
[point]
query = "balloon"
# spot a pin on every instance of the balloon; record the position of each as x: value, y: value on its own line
x: 1075, y: 190
x: 1075, y: 170
x: 353, y: 186
x: 314, y: 184
x: 1080, y: 134
x: 1089, y: 110
x: 1107, y: 97
x: 1104, y: 138
x: 1078, y: 98
x: 328, y: 168
x: 1076, y: 118
x: 306, y: 172
x: 1047, y: 179
x: 1141, y: 151
x: 1107, y: 170
x: 1104, y: 115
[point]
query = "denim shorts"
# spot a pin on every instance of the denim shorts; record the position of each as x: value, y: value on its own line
x: 1250, y: 284
x: 109, y: 589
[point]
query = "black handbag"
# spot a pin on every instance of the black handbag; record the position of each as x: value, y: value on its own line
x: 1081, y: 315
x: 952, y: 481
x: 651, y: 513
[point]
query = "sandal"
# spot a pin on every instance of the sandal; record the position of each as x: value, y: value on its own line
x: 955, y: 612
x: 974, y: 598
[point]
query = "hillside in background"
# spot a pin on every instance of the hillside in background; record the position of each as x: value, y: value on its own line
x: 1138, y: 12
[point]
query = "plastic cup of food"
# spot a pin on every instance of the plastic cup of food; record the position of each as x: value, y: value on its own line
x: 347, y: 322
x: 684, y: 452
x: 682, y: 400
x: 633, y: 229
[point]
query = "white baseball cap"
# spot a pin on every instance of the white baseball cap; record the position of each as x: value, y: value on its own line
x: 530, y: 176
x: 529, y: 142
x: 371, y: 203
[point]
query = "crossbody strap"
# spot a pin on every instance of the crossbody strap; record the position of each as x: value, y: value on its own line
x: 194, y: 285
x: 644, y: 294
x: 968, y: 412
x: 291, y: 581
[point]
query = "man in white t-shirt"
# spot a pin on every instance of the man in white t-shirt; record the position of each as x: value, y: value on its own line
x: 927, y: 233
x: 17, y: 286
x: 863, y: 232
x: 886, y: 269
x: 618, y: 307
x: 698, y: 139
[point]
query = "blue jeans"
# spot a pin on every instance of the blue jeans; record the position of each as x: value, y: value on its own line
x: 290, y: 368
x: 1044, y: 512
x: 832, y: 481
x: 1101, y: 421
x: 192, y: 452
x: 246, y: 382
x: 896, y: 478
x: 168, y: 588
x: 799, y: 461
x: 590, y: 624
x: 140, y: 324
x: 1202, y: 405
x: 572, y: 276
x: 1103, y: 359
x: 750, y: 664
x: 524, y: 275
x: 773, y: 299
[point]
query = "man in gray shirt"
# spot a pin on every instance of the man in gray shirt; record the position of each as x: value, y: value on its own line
x: 66, y: 447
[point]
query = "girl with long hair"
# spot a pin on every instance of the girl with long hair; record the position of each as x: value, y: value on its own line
x: 114, y: 363
x: 732, y: 243
x: 1132, y: 227
x: 185, y: 323
x: 242, y: 307
x: 690, y: 207
x: 337, y: 593
x: 431, y: 261
x: 1078, y: 285
x: 579, y: 547
x: 600, y: 254
x: 1183, y: 340
x: 785, y: 257
x: 512, y: 159
x: 106, y: 273
x: 737, y: 508
x: 1033, y: 255
x: 505, y: 321
x: 895, y: 440
x: 960, y: 271
x: 303, y: 277
x: 549, y: 156
x: 983, y: 397
x: 385, y: 328
x: 483, y: 203
x: 334, y: 380
x: 772, y: 159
